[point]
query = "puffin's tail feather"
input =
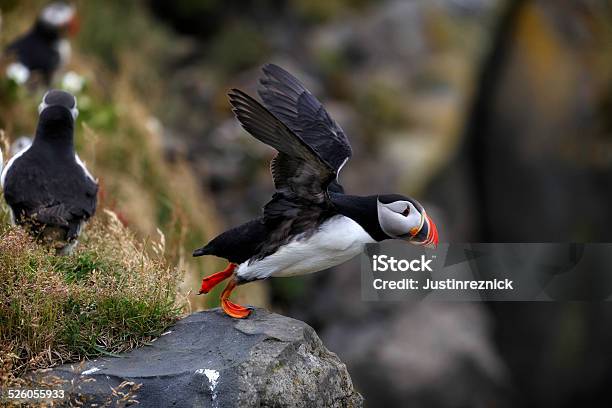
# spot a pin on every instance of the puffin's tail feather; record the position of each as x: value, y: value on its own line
x: 205, y: 250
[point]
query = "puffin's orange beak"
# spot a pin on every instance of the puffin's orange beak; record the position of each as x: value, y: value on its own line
x: 74, y: 25
x: 432, y: 233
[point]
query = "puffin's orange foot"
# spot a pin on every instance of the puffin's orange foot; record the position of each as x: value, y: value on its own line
x: 234, y: 310
x: 229, y: 307
x: 213, y: 280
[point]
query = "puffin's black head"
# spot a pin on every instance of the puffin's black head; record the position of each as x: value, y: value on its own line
x: 405, y: 218
x: 57, y: 101
x: 59, y: 18
x: 57, y: 112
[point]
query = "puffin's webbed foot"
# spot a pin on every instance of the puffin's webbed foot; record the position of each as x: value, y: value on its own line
x: 213, y: 280
x: 230, y: 308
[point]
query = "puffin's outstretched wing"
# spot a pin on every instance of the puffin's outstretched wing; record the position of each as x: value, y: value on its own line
x: 303, y: 114
x: 301, y: 176
x: 297, y: 169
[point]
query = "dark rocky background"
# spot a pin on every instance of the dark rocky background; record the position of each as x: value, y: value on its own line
x: 495, y: 113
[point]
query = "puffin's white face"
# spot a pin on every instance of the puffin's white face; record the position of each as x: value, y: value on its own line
x: 405, y: 219
x: 58, y: 14
x: 400, y: 219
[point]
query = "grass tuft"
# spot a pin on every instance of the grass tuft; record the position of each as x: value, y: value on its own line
x: 113, y: 294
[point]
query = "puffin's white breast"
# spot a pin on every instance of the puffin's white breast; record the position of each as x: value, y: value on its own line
x: 64, y: 50
x: 337, y: 240
x: 9, y: 164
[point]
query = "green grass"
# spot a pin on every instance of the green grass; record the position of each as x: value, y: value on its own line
x: 113, y: 294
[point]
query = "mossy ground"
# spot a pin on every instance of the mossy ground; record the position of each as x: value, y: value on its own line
x: 113, y: 294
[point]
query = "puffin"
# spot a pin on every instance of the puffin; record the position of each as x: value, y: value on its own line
x: 45, y: 47
x: 310, y: 224
x: 47, y: 187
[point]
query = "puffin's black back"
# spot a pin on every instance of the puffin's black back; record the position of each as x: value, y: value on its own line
x: 46, y: 182
x: 238, y: 244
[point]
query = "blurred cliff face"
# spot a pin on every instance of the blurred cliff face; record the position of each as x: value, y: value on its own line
x: 537, y: 151
x: 535, y: 166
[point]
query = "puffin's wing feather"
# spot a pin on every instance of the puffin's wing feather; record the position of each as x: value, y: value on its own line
x: 304, y: 115
x: 301, y: 176
x: 297, y: 169
x: 88, y: 205
x: 56, y: 215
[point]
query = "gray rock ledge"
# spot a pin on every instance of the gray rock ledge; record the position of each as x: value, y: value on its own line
x: 211, y: 360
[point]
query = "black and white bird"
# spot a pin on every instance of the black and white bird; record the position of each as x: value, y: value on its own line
x: 45, y: 47
x: 310, y: 224
x: 47, y: 187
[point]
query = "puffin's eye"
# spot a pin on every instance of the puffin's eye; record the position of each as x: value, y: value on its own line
x: 406, y: 211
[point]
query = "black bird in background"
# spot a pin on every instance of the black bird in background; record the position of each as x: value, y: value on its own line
x: 47, y: 187
x: 44, y: 49
x: 310, y: 224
